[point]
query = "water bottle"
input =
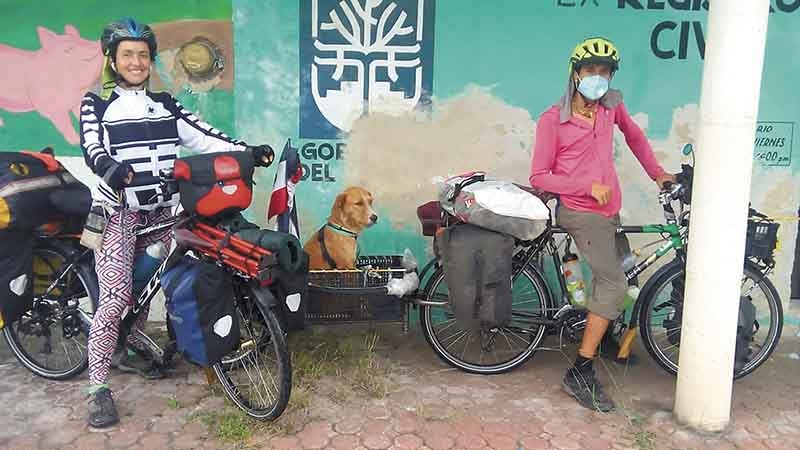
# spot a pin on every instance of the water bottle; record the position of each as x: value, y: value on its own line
x: 146, y: 265
x: 630, y: 297
x: 576, y: 287
x: 628, y: 261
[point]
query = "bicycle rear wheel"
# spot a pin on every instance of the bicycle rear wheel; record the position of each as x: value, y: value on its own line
x: 257, y: 377
x: 486, y: 352
x: 51, y: 339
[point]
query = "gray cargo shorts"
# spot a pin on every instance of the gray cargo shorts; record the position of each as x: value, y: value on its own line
x: 603, y: 249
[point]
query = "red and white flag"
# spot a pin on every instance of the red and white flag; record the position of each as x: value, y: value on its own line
x: 281, y: 202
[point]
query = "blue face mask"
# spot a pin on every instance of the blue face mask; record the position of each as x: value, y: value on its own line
x: 593, y: 87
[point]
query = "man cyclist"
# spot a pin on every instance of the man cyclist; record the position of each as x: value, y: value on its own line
x: 573, y: 157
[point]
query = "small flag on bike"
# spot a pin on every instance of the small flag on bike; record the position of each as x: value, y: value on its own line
x: 281, y: 202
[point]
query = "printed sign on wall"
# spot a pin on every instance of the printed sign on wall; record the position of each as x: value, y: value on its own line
x: 773, y: 145
x: 360, y: 56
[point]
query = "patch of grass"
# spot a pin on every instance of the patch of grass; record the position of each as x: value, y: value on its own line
x: 233, y: 427
x: 229, y: 425
x: 285, y: 425
x: 349, y: 356
x: 370, y: 375
x: 636, y: 419
x: 300, y: 399
x: 206, y: 418
x: 173, y: 403
x: 644, y: 440
x: 316, y: 354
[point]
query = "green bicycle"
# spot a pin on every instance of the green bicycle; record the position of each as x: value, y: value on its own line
x: 657, y: 312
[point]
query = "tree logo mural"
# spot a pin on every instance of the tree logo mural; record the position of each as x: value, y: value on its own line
x: 362, y: 56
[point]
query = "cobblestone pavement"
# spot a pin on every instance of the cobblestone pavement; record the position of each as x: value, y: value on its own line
x: 426, y: 405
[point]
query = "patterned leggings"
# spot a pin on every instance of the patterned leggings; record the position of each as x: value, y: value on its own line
x: 114, y: 265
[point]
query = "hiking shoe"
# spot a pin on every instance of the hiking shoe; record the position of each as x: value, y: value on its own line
x: 102, y: 412
x: 133, y: 360
x: 585, y: 388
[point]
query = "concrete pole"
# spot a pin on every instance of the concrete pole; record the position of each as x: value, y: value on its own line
x: 734, y: 57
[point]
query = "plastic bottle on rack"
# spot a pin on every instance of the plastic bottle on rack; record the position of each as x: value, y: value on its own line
x: 576, y: 288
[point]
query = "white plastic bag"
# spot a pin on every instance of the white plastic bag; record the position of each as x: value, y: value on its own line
x: 496, y: 205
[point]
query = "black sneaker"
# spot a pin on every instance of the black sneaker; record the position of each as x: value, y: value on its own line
x: 102, y: 412
x: 585, y: 388
x: 133, y: 360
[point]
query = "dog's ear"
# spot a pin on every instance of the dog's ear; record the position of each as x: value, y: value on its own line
x: 340, y: 201
x: 338, y: 206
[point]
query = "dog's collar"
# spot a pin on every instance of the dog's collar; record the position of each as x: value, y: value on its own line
x: 324, y: 248
x: 342, y: 230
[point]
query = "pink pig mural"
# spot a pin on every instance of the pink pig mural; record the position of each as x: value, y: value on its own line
x: 51, y: 80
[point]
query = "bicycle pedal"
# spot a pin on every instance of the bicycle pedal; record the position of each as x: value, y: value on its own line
x: 631, y: 360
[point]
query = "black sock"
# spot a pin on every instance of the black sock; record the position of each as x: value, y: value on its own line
x: 583, y: 365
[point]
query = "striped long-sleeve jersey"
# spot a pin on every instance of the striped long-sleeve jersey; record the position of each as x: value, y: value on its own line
x: 144, y: 129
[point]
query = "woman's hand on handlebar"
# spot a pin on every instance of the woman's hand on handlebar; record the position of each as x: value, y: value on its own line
x: 263, y: 155
x: 167, y: 182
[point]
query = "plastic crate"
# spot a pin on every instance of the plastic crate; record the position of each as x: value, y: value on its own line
x: 356, y: 295
x: 762, y: 239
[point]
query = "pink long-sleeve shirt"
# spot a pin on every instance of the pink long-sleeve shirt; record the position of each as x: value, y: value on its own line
x: 569, y: 156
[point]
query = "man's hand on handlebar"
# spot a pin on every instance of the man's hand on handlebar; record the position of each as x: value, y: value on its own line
x: 664, y: 178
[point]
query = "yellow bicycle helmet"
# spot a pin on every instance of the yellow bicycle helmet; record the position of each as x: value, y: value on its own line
x: 594, y: 50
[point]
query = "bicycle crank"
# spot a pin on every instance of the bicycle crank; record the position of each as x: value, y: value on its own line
x: 573, y: 325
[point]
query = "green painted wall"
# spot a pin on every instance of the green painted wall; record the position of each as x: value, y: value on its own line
x: 516, y: 51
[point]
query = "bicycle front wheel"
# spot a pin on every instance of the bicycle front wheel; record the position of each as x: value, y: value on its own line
x: 492, y: 351
x: 257, y: 377
x: 660, y: 319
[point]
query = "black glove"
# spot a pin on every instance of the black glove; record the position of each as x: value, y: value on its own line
x: 263, y: 155
x: 116, y: 176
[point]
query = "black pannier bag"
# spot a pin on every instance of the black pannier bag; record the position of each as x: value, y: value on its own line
x: 478, y: 270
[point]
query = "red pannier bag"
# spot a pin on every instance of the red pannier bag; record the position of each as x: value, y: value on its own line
x: 215, y: 184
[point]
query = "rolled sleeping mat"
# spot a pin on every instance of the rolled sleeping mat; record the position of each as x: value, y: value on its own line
x: 289, y: 251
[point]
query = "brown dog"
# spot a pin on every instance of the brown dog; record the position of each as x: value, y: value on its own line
x: 334, y: 246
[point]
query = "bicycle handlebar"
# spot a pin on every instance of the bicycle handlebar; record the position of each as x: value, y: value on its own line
x: 167, y: 182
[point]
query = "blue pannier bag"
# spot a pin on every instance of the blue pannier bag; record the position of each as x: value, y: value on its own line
x: 200, y: 309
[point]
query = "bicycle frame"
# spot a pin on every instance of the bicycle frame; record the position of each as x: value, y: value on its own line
x: 675, y: 227
x: 198, y: 240
x: 675, y: 241
x: 149, y: 292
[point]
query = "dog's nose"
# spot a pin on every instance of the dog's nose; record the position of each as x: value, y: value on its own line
x: 373, y: 218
